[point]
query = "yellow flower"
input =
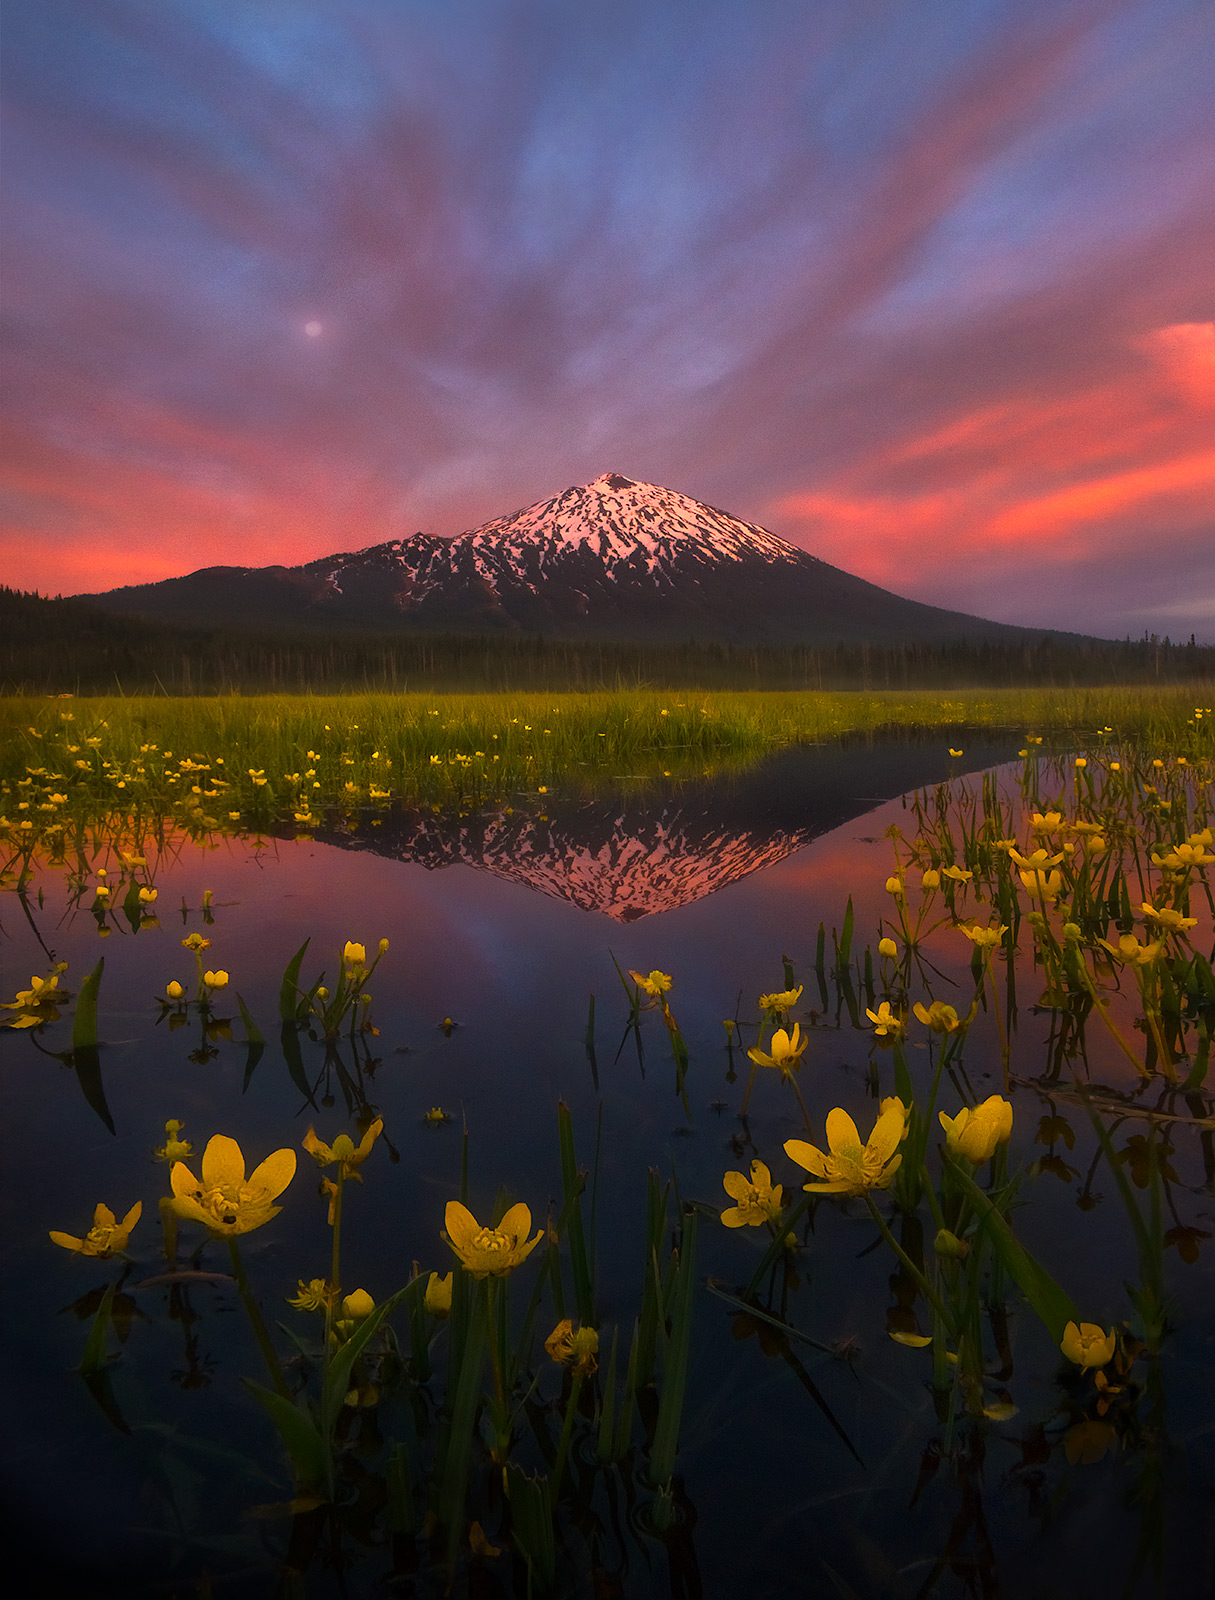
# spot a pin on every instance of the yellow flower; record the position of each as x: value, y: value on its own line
x: 215, y: 980
x: 931, y: 879
x: 914, y: 1341
x: 357, y: 1305
x: 343, y: 1149
x: 655, y: 984
x: 785, y: 1052
x: 436, y: 1115
x: 146, y: 896
x: 784, y: 1000
x: 313, y: 1295
x: 1184, y: 857
x: 436, y: 1297
x: 958, y: 874
x: 755, y: 1201
x: 887, y: 947
x: 577, y: 1350
x: 1043, y: 885
x: 1087, y: 1345
x: 1129, y: 952
x: 174, y: 990
x: 938, y: 1016
x: 354, y: 955
x: 853, y: 1167
x: 894, y: 885
x: 226, y: 1201
x: 105, y: 1236
x: 977, y: 1130
x: 173, y: 1149
x: 886, y: 1023
x: 955, y: 753
x: 1166, y: 917
x: 1037, y: 860
x: 1045, y: 822
x: 489, y: 1252
x: 196, y: 942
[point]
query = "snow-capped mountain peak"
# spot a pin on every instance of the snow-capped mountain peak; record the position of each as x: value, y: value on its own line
x: 620, y: 520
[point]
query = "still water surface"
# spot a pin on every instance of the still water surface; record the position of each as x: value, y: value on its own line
x: 505, y: 924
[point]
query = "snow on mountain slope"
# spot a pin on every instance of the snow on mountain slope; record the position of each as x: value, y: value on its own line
x: 626, y: 529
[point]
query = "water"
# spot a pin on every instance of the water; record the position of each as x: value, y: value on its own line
x: 802, y: 1465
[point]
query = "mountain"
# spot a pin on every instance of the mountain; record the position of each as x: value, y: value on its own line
x: 638, y: 851
x: 612, y: 559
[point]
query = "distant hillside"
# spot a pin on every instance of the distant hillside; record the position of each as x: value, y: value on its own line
x: 70, y: 646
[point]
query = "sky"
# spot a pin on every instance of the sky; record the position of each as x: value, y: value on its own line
x: 927, y: 287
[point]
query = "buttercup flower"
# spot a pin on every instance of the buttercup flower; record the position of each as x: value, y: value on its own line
x: 226, y: 1201
x: 1129, y: 952
x: 343, y: 1149
x: 1087, y: 1345
x: 215, y: 980
x: 1185, y: 857
x: 958, y: 874
x: 313, y: 1295
x: 105, y: 1236
x: 931, y: 879
x: 853, y: 1167
x: 1166, y: 919
x: 985, y: 938
x: 655, y: 984
x: 357, y: 1305
x: 196, y: 942
x: 436, y: 1297
x: 1043, y: 885
x: 490, y: 1252
x: 977, y: 1130
x: 784, y: 1000
x: 886, y: 1023
x: 1037, y: 860
x: 174, y: 990
x: 574, y: 1349
x: 174, y: 1149
x: 785, y: 1051
x: 755, y: 1201
x: 354, y: 955
x: 1045, y: 822
x: 938, y: 1016
x: 894, y: 885
x: 887, y: 947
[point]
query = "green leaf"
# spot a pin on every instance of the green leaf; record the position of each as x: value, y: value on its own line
x: 300, y: 1435
x: 288, y: 995
x: 84, y: 1025
x: 337, y: 1379
x: 94, y: 1357
x: 252, y: 1032
x: 675, y: 1367
x: 1052, y: 1303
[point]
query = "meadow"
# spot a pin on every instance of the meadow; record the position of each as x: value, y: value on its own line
x: 898, y: 1181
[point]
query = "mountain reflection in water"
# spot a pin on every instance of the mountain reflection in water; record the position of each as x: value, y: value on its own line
x: 632, y: 854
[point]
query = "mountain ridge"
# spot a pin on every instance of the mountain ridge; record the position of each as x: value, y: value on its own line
x: 615, y: 558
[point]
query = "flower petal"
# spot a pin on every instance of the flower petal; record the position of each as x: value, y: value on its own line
x: 274, y: 1174
x: 888, y: 1131
x: 842, y: 1136
x: 462, y: 1227
x: 808, y: 1156
x: 183, y: 1182
x: 517, y: 1222
x: 103, y: 1217
x: 735, y: 1185
x: 67, y: 1240
x: 132, y: 1216
x: 223, y: 1165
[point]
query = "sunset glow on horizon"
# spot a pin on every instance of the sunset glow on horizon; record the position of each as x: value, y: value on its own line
x: 927, y: 289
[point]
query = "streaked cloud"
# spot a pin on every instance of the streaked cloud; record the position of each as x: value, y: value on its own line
x: 926, y: 288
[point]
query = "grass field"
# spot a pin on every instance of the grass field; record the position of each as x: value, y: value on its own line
x: 254, y: 758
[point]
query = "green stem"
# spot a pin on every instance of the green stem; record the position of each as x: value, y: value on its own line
x: 335, y: 1282
x: 255, y: 1319
x: 926, y: 1289
x: 567, y: 1433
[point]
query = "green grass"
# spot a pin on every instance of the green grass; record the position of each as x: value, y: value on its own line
x: 274, y: 756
